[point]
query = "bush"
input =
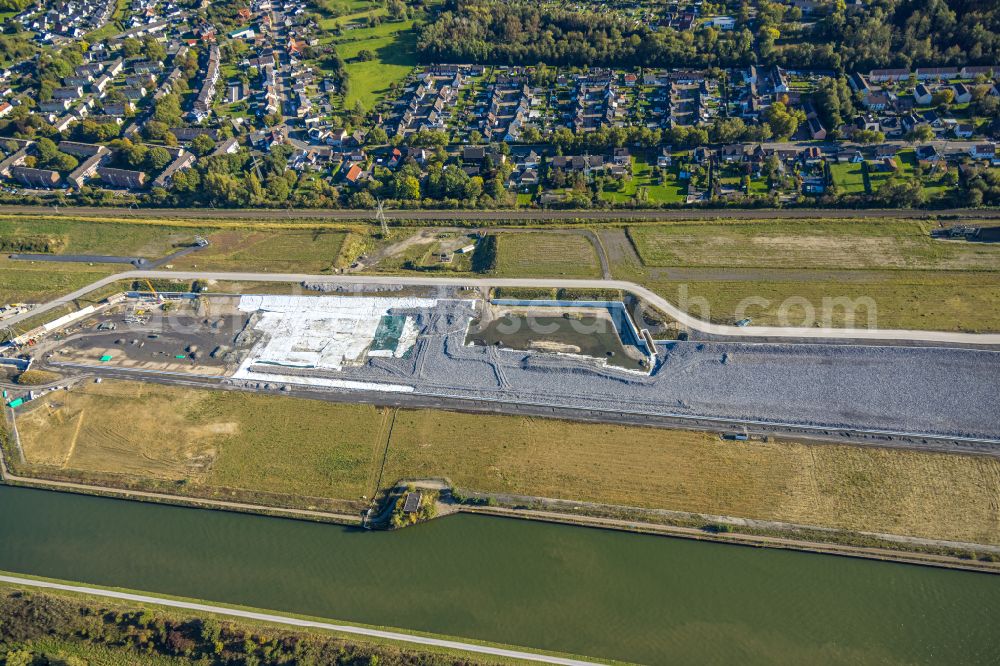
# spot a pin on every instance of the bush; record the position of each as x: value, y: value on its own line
x: 36, y: 377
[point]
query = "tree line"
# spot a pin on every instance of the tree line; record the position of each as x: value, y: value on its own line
x: 141, y: 635
x: 881, y: 33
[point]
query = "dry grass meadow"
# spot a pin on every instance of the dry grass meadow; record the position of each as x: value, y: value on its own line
x: 921, y: 494
x: 916, y: 282
x: 539, y: 254
x: 296, y: 447
x: 865, y: 244
x: 206, y: 438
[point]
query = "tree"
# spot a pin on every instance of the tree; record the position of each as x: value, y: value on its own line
x: 365, y: 55
x: 866, y: 137
x: 407, y: 187
x: 202, y: 145
x: 157, y: 159
x: 901, y: 193
x: 920, y: 133
x: 278, y: 189
x: 168, y: 110
x: 255, y: 189
x: 19, y: 658
x: 153, y: 49
x: 397, y: 10
x: 224, y: 189
x: 49, y: 157
x: 131, y: 47
x: 783, y: 122
x: 943, y: 97
x: 377, y: 137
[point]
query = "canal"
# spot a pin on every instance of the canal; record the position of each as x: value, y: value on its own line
x: 600, y: 593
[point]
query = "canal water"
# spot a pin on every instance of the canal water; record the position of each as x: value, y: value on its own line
x: 641, y: 598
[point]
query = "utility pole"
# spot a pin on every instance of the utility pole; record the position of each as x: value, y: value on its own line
x: 380, y: 216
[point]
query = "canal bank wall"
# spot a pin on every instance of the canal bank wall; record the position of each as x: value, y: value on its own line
x: 755, y: 540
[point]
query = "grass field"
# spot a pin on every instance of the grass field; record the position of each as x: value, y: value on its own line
x: 285, y: 251
x: 75, y: 237
x: 915, y: 281
x: 34, y: 282
x: 214, y: 440
x: 840, y: 486
x: 822, y: 244
x: 275, y: 250
x: 277, y: 446
x: 392, y: 42
x: 546, y: 255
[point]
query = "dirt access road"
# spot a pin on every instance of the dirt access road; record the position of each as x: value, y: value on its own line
x: 493, y: 215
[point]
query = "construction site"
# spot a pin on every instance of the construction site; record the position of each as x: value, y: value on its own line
x: 457, y: 348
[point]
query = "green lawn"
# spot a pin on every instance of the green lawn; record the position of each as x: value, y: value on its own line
x: 668, y: 191
x: 392, y: 42
x: 848, y: 177
x: 395, y: 57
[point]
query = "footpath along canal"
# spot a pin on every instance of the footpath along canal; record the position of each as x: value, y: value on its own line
x: 599, y: 593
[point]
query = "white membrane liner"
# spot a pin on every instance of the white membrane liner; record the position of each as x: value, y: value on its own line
x: 325, y: 332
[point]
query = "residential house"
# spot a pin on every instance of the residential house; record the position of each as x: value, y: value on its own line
x: 816, y: 129
x: 962, y: 93
x: 936, y: 73
x: 35, y: 177
x: 964, y: 130
x: 887, y: 75
x: 983, y: 151
x: 922, y: 95
x: 122, y: 177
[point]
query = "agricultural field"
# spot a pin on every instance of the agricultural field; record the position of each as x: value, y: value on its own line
x: 546, y: 254
x: 227, y: 444
x: 914, y: 281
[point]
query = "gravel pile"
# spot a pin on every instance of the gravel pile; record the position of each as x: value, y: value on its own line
x: 951, y: 392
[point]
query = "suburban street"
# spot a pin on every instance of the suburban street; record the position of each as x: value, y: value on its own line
x: 860, y: 334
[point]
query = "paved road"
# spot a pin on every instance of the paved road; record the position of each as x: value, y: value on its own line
x: 866, y: 334
x: 296, y: 622
x: 138, y: 262
x: 494, y: 215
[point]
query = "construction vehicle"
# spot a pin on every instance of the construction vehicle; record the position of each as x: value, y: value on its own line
x: 159, y: 298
